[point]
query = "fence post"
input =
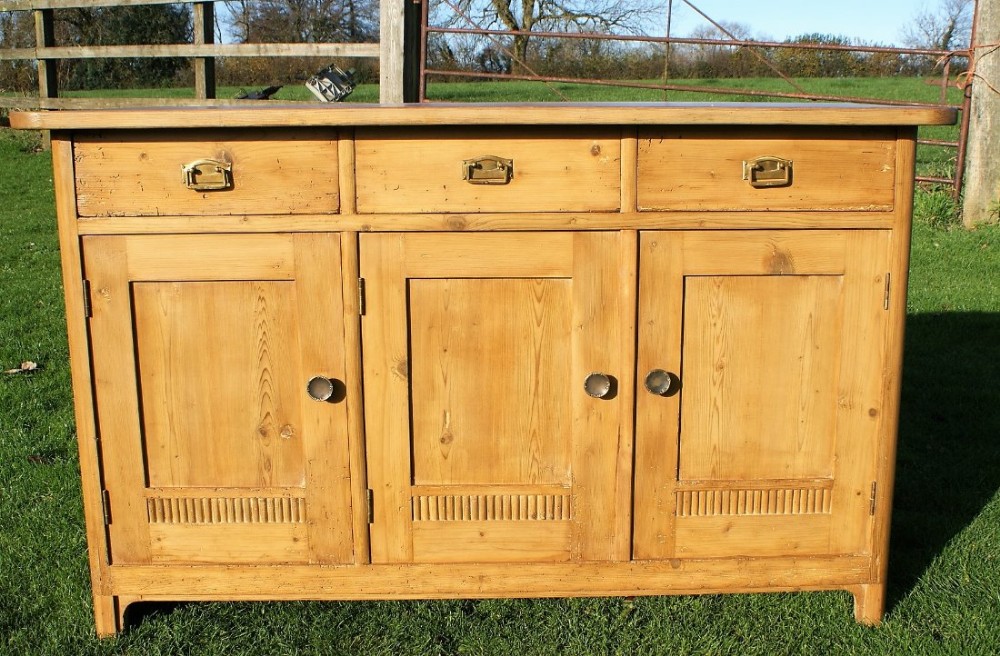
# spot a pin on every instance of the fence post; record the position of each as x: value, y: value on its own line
x: 48, y: 69
x: 391, y: 23
x: 982, y: 166
x: 412, y: 35
x: 204, y: 33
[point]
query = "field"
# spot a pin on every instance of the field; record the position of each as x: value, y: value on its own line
x: 945, y: 555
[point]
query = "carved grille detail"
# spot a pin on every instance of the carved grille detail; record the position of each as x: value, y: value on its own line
x: 486, y: 507
x: 226, y: 510
x: 785, y: 501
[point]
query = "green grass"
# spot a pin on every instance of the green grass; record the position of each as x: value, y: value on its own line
x: 945, y: 556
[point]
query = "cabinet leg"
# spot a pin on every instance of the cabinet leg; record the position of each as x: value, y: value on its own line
x: 107, y: 618
x: 869, y: 603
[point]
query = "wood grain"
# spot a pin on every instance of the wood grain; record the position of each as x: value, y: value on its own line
x: 554, y: 170
x: 759, y: 354
x: 355, y: 394
x: 497, y: 580
x: 492, y: 473
x: 319, y: 317
x: 484, y: 222
x: 616, y: 114
x: 773, y: 343
x: 229, y: 543
x: 885, y: 460
x: 492, y: 542
x: 139, y: 173
x: 479, y: 345
x: 503, y: 421
x: 702, y: 169
x: 88, y: 445
x: 218, y: 364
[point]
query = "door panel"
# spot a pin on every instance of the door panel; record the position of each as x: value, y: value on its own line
x: 758, y: 356
x: 492, y: 424
x: 776, y: 339
x: 236, y: 336
x: 212, y: 450
x: 484, y: 445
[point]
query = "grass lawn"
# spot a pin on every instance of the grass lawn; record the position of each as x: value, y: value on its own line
x: 945, y: 554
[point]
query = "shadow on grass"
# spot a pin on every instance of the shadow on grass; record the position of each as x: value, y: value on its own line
x: 948, y: 463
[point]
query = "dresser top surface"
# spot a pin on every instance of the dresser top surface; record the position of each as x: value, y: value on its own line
x: 350, y: 114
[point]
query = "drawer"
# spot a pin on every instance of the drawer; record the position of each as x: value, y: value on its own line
x: 741, y: 169
x: 124, y: 173
x: 409, y: 170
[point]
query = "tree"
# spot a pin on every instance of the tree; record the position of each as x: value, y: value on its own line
x: 102, y: 26
x: 812, y: 62
x: 304, y: 21
x: 982, y: 167
x: 949, y: 27
x: 546, y: 15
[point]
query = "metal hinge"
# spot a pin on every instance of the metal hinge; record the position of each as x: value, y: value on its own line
x: 361, y: 296
x: 885, y: 299
x: 106, y: 506
x: 88, y: 309
x: 371, y: 506
x: 871, y: 500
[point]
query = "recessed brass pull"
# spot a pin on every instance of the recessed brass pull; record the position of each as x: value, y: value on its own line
x: 488, y: 169
x: 207, y: 175
x: 768, y: 171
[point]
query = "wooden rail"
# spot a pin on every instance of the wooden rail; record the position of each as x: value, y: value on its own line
x: 203, y: 51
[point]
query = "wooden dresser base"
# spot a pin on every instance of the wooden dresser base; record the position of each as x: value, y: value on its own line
x: 485, y: 351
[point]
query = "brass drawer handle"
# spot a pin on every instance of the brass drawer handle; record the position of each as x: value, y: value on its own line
x: 488, y: 169
x: 207, y: 175
x: 768, y: 171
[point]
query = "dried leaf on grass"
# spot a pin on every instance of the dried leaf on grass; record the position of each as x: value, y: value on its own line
x: 25, y: 367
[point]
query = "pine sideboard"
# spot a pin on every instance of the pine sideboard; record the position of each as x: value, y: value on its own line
x: 398, y: 352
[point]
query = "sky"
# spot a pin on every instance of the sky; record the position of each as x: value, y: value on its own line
x: 875, y: 21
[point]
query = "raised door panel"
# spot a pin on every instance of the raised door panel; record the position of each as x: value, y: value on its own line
x: 211, y: 448
x: 482, y: 443
x: 765, y: 446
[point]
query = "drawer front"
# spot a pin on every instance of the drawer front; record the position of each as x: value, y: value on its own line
x: 143, y: 173
x: 551, y: 170
x: 695, y: 169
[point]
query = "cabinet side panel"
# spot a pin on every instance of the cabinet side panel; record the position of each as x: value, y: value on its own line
x: 79, y: 363
x: 899, y: 267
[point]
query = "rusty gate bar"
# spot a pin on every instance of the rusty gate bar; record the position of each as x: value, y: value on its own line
x: 945, y: 56
x: 735, y: 43
x: 684, y: 87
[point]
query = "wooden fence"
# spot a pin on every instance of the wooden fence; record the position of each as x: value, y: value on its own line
x: 203, y: 51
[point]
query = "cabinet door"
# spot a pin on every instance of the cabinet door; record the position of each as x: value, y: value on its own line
x: 765, y: 443
x: 202, y: 348
x: 482, y: 442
